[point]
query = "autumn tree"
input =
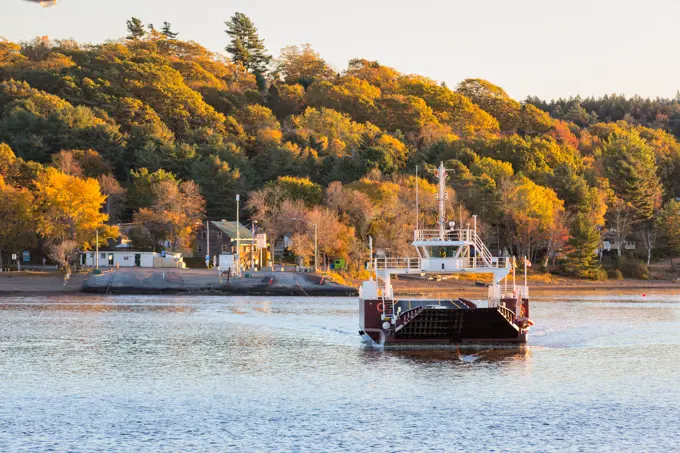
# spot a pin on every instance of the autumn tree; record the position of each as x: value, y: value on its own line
x: 18, y: 224
x: 534, y: 213
x: 175, y: 212
x: 68, y: 211
x: 116, y: 196
x: 302, y: 65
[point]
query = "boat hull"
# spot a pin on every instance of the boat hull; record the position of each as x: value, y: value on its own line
x: 440, y: 324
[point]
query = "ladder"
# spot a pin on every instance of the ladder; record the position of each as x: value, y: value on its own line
x: 388, y: 308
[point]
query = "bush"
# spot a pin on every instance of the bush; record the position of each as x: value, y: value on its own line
x: 600, y: 274
x: 615, y: 274
x: 633, y: 268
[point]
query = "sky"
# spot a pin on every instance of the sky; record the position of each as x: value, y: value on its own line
x: 545, y: 48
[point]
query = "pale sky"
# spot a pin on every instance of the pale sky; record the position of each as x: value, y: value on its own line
x: 548, y: 48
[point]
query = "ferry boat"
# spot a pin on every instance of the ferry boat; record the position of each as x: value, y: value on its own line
x: 408, y: 322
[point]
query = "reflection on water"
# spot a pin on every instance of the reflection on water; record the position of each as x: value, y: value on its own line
x: 154, y: 374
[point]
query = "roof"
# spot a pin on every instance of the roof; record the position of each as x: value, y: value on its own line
x: 229, y: 228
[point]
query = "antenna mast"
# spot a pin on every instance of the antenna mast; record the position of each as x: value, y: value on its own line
x: 417, y: 206
x: 441, y: 196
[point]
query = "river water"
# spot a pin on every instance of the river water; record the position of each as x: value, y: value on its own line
x: 197, y: 374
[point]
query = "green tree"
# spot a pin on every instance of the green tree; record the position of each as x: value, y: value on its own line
x: 246, y: 46
x: 581, y: 260
x: 135, y: 29
x: 166, y: 30
x: 630, y: 165
x: 668, y: 224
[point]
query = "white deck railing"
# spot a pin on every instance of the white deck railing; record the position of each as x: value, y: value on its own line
x: 434, y: 264
x: 460, y: 235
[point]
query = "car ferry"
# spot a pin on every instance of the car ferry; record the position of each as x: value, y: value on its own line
x: 390, y: 322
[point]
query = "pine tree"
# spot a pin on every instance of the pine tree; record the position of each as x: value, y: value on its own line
x: 166, y: 30
x: 630, y: 165
x: 246, y: 47
x: 136, y: 29
x: 581, y: 261
x: 668, y: 223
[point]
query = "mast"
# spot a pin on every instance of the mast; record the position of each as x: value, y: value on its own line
x: 441, y: 196
x: 417, y: 207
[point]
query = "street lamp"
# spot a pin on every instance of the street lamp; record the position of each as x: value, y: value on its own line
x: 238, y: 236
x: 316, y: 247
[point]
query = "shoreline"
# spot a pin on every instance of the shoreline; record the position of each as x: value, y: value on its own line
x: 200, y: 282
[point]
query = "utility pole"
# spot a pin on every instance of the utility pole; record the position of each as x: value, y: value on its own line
x: 207, y: 238
x: 238, y: 236
x: 252, y: 246
x: 316, y: 252
x: 97, y: 252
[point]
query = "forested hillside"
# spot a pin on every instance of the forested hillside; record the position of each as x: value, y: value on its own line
x: 171, y: 132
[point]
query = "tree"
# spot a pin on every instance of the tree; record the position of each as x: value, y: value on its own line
x: 68, y: 211
x: 533, y: 214
x: 246, y: 46
x: 581, y: 260
x: 135, y: 29
x: 115, y: 197
x: 16, y: 212
x: 630, y: 165
x: 166, y: 30
x: 302, y: 65
x: 668, y: 224
x: 175, y: 212
x: 300, y: 189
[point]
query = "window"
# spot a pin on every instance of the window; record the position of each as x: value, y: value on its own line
x: 219, y: 235
x: 200, y: 248
x: 102, y: 256
x: 203, y: 235
x: 224, y: 247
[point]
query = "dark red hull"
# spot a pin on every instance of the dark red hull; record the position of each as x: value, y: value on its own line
x: 420, y: 323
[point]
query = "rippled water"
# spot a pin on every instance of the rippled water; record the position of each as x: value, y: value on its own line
x: 183, y: 374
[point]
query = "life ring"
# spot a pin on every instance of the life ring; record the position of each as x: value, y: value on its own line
x: 380, y: 307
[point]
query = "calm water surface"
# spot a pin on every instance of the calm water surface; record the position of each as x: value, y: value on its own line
x: 196, y: 374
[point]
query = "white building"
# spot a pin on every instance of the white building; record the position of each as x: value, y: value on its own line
x: 132, y: 259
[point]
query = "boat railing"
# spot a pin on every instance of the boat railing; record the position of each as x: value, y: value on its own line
x: 506, y: 313
x: 461, y: 235
x: 414, y: 264
x: 398, y: 263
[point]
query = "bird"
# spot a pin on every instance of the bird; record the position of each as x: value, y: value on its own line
x: 44, y: 3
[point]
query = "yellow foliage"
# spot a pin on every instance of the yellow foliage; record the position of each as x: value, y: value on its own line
x: 68, y: 207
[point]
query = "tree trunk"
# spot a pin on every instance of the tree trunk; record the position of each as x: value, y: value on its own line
x: 0, y: 260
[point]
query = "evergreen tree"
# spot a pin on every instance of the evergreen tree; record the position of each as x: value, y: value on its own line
x: 581, y: 261
x: 166, y: 30
x: 668, y: 223
x: 246, y: 46
x: 135, y: 29
x: 630, y: 165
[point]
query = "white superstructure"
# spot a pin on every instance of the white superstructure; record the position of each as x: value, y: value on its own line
x: 445, y: 250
